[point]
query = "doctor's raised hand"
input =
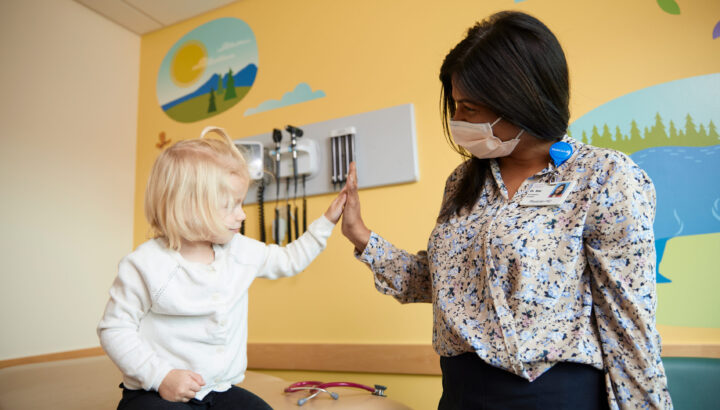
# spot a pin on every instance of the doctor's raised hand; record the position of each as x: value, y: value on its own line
x: 353, y: 226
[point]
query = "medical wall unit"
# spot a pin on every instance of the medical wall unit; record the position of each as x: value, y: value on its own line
x: 312, y: 159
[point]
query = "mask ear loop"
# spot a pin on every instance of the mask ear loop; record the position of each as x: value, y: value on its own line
x: 498, y: 120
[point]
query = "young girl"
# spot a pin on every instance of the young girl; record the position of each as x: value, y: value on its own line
x: 176, y: 321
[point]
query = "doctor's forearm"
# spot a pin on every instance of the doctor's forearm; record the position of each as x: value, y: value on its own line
x: 359, y: 237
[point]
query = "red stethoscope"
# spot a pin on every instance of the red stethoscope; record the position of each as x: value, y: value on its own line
x: 316, y: 388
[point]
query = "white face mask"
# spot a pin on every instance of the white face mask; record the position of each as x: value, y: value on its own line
x: 478, y: 139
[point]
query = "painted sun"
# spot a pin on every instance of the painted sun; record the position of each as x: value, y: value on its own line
x: 188, y: 64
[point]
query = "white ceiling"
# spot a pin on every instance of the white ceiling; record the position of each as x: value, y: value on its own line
x: 144, y: 16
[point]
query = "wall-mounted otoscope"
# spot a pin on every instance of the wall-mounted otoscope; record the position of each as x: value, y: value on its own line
x: 295, y: 133
x: 277, y: 138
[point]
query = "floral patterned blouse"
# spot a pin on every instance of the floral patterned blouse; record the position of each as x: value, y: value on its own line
x: 526, y: 287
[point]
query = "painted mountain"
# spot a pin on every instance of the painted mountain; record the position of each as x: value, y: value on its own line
x: 212, y: 97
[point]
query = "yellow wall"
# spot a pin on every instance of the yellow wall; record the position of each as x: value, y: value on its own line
x: 371, y: 54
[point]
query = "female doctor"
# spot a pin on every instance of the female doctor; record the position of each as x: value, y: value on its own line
x: 537, y: 303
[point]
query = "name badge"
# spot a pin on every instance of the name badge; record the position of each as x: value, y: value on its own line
x: 548, y: 194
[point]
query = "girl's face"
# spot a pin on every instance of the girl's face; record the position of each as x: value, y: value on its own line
x: 233, y: 214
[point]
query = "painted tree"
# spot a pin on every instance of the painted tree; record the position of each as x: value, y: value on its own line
x: 595, y: 136
x: 626, y: 137
x: 690, y: 130
x: 635, y: 135
x: 707, y: 136
x: 702, y: 133
x: 229, y: 86
x: 618, y: 134
x: 712, y: 133
x: 212, y: 107
x: 620, y: 142
x: 673, y: 134
x: 606, y: 137
x: 585, y: 138
x: 656, y: 135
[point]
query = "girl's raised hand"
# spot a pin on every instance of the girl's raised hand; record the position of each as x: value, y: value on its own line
x: 336, y: 206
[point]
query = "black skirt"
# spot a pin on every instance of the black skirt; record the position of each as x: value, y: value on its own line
x: 470, y: 383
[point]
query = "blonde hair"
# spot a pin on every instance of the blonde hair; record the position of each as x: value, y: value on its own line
x: 189, y: 184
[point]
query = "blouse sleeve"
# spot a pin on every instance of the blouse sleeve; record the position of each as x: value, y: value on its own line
x: 620, y: 249
x: 398, y: 273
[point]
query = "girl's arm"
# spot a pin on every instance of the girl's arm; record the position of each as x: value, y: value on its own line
x: 130, y: 300
x: 277, y: 261
x: 620, y: 249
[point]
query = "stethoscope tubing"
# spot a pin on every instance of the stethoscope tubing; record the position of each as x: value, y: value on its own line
x: 317, y: 387
x: 320, y: 385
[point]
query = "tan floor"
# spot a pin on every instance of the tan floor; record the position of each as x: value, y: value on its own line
x: 92, y: 383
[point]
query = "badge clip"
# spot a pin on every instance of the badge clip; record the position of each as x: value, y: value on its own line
x: 560, y: 152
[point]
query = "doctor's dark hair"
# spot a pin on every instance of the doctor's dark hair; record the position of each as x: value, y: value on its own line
x: 512, y: 64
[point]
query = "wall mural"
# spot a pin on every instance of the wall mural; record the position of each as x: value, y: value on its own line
x: 208, y: 70
x: 669, y: 6
x: 162, y: 140
x: 301, y: 93
x: 670, y: 130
